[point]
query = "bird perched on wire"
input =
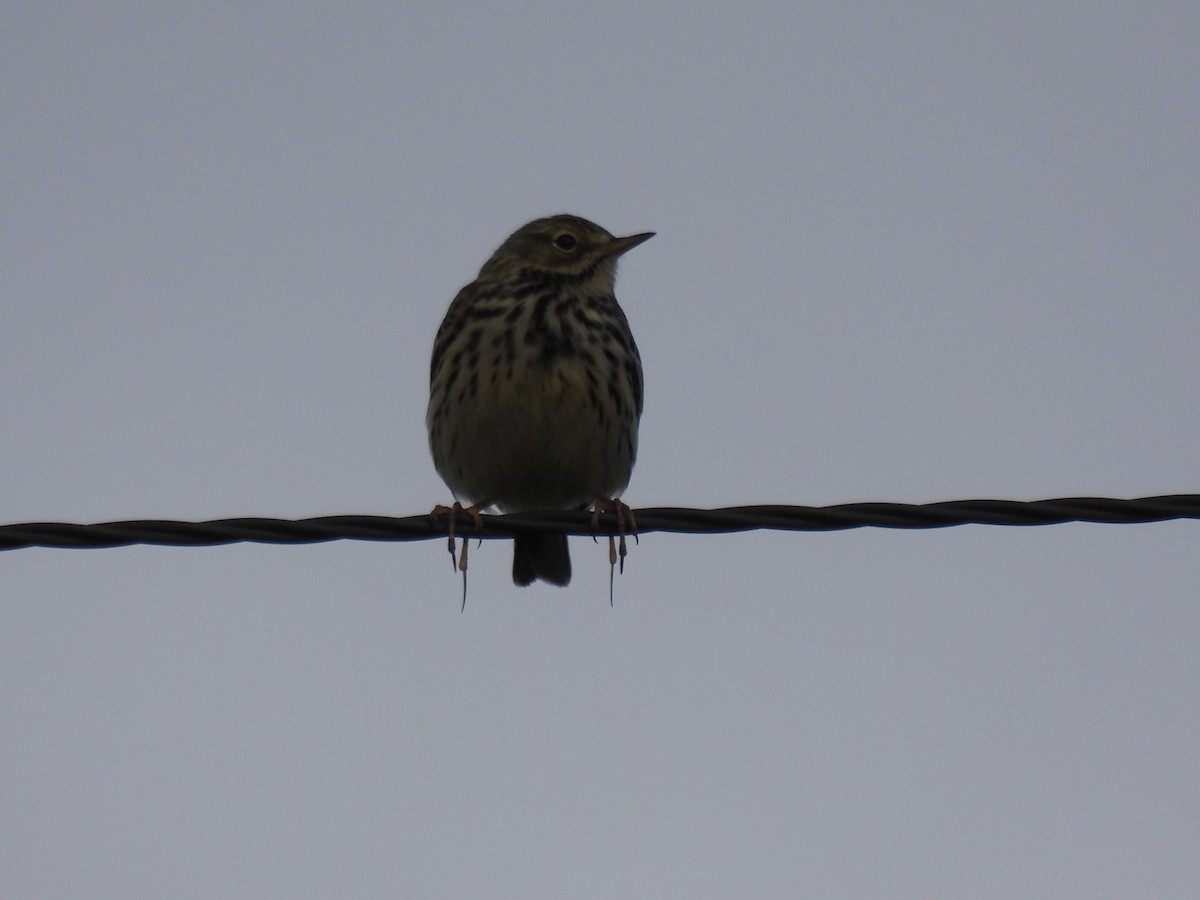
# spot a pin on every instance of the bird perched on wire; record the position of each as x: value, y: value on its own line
x: 536, y: 386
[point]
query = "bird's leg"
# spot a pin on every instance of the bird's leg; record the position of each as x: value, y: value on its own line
x: 625, y: 523
x: 453, y: 512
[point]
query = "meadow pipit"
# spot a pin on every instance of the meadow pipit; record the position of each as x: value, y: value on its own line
x: 536, y: 385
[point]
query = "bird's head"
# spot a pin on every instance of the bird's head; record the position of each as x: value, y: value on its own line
x: 566, y: 246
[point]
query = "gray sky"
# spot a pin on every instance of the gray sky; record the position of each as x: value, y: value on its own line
x: 905, y: 254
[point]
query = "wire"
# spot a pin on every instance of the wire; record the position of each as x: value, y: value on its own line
x: 664, y: 519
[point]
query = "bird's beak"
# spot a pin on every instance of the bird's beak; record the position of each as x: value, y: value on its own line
x: 617, y: 246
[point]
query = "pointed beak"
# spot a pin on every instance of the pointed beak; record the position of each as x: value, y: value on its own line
x: 617, y: 246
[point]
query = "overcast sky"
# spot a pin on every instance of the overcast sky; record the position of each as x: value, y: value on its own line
x: 905, y: 253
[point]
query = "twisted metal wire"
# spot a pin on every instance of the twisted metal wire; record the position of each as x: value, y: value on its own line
x: 666, y: 519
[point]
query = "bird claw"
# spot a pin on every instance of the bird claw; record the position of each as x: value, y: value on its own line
x: 453, y: 512
x: 626, y: 523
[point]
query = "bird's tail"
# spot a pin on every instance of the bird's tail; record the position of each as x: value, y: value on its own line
x: 541, y: 555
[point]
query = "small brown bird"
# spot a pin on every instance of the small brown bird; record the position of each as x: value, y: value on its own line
x: 536, y: 384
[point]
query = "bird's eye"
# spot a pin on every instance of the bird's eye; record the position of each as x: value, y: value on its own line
x: 566, y: 242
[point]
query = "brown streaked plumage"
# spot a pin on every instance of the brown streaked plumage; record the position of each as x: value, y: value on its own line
x: 536, y: 383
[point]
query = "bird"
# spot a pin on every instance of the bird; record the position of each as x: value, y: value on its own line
x: 536, y: 387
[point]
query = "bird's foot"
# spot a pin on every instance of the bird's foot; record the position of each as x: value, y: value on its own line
x: 626, y: 524
x: 452, y: 513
